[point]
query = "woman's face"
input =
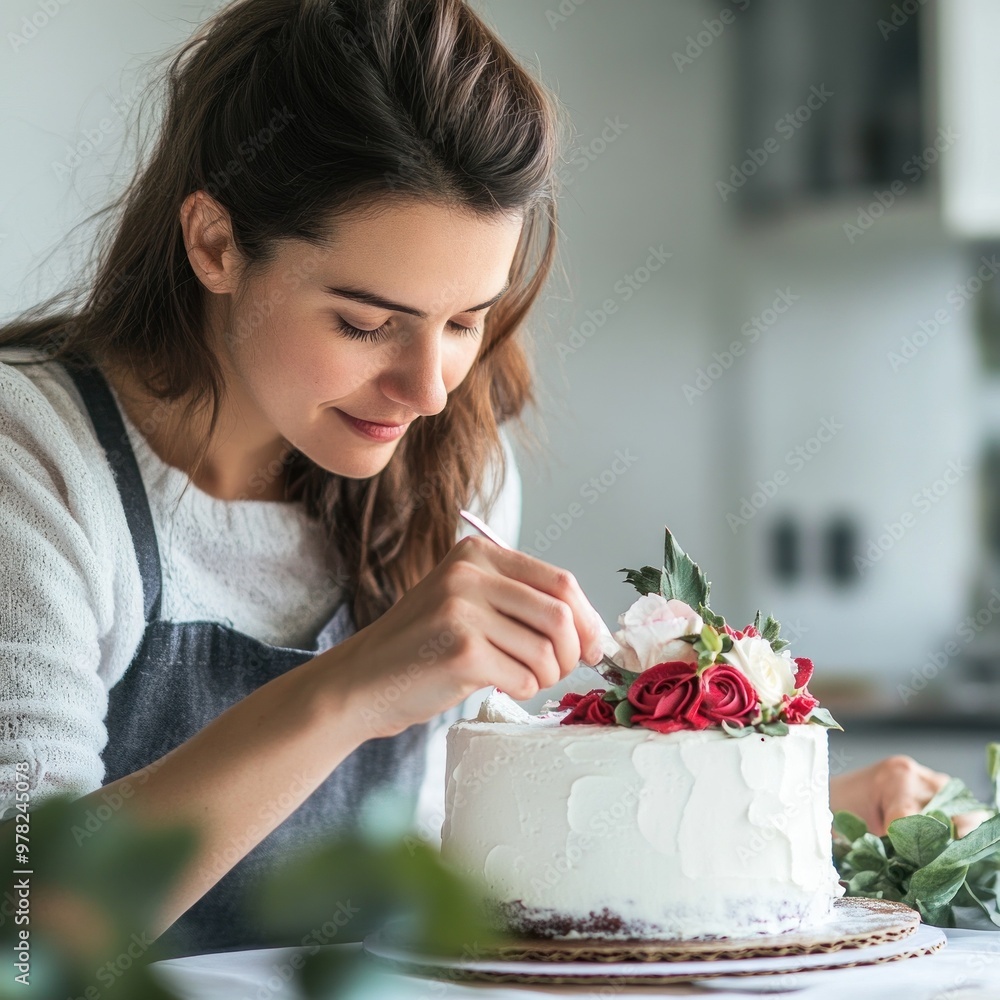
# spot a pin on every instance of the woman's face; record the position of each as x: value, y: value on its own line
x: 416, y: 280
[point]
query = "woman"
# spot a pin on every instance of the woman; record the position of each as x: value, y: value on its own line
x: 308, y: 311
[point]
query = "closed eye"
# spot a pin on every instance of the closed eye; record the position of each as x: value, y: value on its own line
x: 381, y: 332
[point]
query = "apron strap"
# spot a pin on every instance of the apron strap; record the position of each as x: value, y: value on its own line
x: 114, y: 439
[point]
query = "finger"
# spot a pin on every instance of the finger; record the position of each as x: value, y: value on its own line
x: 936, y: 780
x: 896, y: 805
x: 540, y: 575
x: 513, y: 678
x: 540, y: 628
x: 967, y: 822
x: 527, y: 647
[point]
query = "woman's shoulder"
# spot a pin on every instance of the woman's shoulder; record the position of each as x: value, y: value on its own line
x: 36, y: 390
x: 58, y: 489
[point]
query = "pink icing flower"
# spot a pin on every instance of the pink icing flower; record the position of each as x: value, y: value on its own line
x: 650, y: 633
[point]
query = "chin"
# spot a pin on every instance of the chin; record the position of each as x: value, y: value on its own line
x: 361, y: 465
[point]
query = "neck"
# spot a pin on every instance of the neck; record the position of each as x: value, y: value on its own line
x: 242, y: 462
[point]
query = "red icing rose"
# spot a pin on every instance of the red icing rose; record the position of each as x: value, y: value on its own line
x: 797, y: 709
x: 749, y: 630
x: 728, y: 696
x: 804, y: 673
x: 588, y: 708
x: 668, y: 697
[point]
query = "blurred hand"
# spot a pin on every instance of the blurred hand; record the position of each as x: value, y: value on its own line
x: 894, y: 787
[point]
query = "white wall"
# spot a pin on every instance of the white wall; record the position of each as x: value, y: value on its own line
x: 70, y: 71
x: 649, y: 182
x: 826, y: 357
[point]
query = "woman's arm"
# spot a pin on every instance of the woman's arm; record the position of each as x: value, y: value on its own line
x: 484, y: 615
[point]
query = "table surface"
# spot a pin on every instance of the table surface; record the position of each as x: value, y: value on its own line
x: 968, y: 968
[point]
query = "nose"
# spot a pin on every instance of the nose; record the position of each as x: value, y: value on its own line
x: 415, y: 379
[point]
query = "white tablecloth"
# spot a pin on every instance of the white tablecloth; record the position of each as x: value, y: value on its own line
x: 969, y: 967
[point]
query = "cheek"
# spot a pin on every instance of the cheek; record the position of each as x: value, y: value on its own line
x: 308, y: 366
x: 458, y: 363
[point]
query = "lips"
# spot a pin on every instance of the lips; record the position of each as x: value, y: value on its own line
x: 371, y: 429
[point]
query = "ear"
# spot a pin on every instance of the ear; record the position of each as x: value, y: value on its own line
x: 208, y: 238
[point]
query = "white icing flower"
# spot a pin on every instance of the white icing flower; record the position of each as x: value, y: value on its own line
x: 651, y: 630
x: 500, y: 707
x: 772, y: 674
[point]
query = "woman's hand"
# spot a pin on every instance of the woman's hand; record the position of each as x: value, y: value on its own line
x: 894, y: 787
x: 484, y: 615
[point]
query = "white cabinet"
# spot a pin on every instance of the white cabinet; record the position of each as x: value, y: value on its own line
x: 969, y: 80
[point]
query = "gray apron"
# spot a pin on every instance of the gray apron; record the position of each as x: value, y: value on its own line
x: 184, y: 674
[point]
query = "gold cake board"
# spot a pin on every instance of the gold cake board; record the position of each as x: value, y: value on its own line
x: 859, y: 932
x: 855, y: 923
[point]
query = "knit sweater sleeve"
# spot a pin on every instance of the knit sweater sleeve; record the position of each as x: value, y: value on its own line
x: 58, y: 608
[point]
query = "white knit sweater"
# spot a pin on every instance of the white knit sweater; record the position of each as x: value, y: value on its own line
x: 71, y: 603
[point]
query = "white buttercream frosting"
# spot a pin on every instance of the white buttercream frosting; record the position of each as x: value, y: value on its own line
x: 680, y: 835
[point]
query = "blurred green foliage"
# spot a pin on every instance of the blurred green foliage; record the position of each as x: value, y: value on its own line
x: 113, y: 878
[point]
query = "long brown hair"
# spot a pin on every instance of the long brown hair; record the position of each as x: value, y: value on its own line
x: 290, y: 113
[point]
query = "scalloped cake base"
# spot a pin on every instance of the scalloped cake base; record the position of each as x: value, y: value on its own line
x: 854, y: 923
x: 859, y: 932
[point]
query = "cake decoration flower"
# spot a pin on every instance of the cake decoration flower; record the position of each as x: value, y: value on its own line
x: 681, y: 667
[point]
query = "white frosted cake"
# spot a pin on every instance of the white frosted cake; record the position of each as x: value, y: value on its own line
x: 687, y: 798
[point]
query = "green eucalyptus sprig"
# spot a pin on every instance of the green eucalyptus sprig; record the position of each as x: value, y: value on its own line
x: 950, y: 881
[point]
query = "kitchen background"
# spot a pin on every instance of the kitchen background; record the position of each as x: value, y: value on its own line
x: 775, y: 329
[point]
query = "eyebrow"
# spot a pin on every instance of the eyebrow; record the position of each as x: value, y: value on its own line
x: 371, y: 299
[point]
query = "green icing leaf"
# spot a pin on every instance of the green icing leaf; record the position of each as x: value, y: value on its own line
x: 737, y: 729
x: 682, y: 578
x: 822, y: 717
x: 770, y: 630
x: 624, y: 711
x: 773, y: 728
x: 646, y: 580
x: 709, y: 616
